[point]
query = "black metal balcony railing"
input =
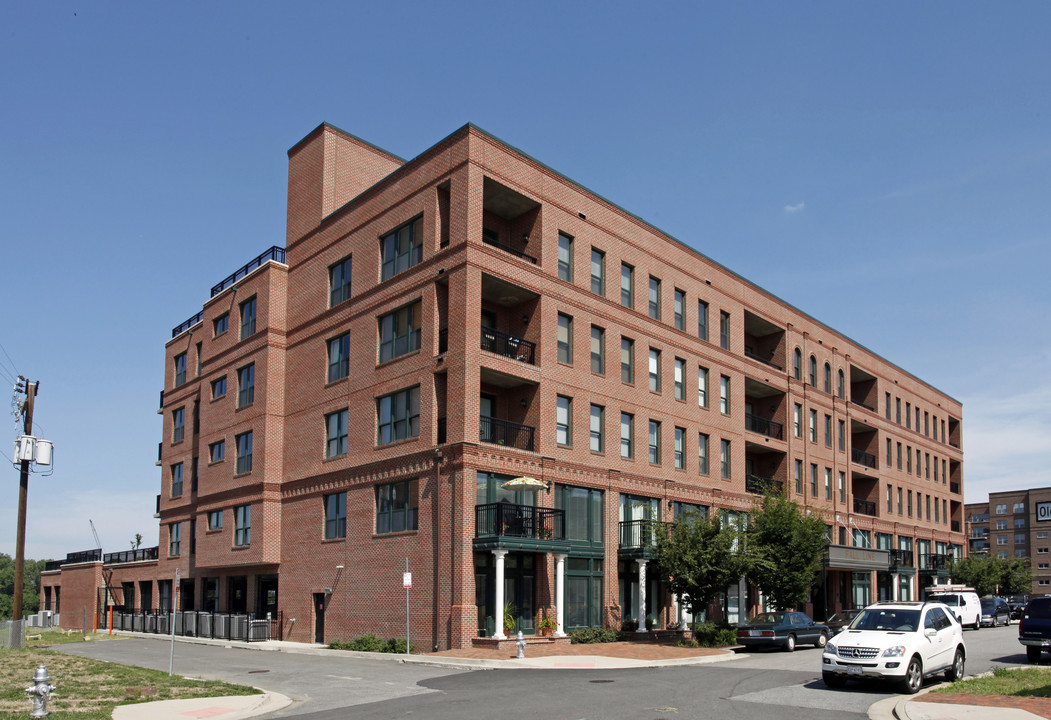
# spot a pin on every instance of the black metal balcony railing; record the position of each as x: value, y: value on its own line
x: 83, y: 556
x: 504, y: 432
x: 507, y: 248
x: 761, y: 486
x: 504, y: 519
x: 186, y: 325
x: 935, y: 561
x: 867, y: 407
x: 53, y: 565
x: 749, y: 353
x: 954, y: 487
x: 639, y: 534
x: 901, y: 558
x: 763, y: 426
x: 127, y: 556
x: 864, y: 507
x: 955, y: 525
x: 501, y: 343
x: 863, y: 458
x: 275, y: 253
x: 443, y: 340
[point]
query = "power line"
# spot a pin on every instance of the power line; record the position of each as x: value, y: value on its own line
x: 12, y: 362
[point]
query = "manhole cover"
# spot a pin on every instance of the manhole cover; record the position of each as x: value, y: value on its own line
x: 600, y: 681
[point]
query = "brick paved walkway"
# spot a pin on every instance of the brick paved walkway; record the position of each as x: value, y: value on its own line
x: 1037, y: 706
x: 632, y: 650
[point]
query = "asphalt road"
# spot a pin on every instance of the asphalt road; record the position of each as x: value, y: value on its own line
x: 756, y: 686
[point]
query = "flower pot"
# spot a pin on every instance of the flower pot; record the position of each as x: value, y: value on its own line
x: 545, y: 632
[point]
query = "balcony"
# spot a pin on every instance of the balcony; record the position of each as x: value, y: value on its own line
x: 274, y: 254
x: 500, y: 343
x: 984, y: 517
x: 638, y: 538
x: 900, y: 558
x: 443, y: 341
x: 504, y: 432
x: 490, y: 238
x: 861, y: 404
x: 954, y: 487
x: 523, y: 527
x: 186, y: 325
x: 761, y: 486
x: 750, y: 353
x: 864, y: 507
x: 954, y: 526
x: 863, y: 458
x: 128, y: 556
x: 756, y: 424
x: 935, y: 562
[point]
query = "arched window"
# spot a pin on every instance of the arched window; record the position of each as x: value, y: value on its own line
x: 841, y: 390
x: 828, y: 378
x: 797, y: 364
x: 813, y: 371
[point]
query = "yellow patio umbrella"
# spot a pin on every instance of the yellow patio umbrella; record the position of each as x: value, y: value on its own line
x: 526, y: 483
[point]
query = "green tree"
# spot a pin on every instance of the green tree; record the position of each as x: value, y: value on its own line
x: 700, y: 556
x: 785, y: 548
x: 30, y: 585
x: 982, y: 572
x: 1016, y: 577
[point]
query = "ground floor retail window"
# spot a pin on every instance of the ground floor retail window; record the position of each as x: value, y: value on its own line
x: 862, y: 589
x: 519, y: 592
x: 904, y: 588
x: 630, y: 597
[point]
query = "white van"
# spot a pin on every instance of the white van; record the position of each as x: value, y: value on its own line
x: 963, y: 602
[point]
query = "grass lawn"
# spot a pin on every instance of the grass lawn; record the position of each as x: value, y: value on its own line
x: 90, y: 689
x: 1022, y: 682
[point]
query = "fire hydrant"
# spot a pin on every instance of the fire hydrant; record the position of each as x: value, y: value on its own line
x: 39, y: 691
x: 521, y: 646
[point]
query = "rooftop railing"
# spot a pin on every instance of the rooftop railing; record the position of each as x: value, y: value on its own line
x: 275, y: 254
x: 127, y: 556
x: 186, y: 325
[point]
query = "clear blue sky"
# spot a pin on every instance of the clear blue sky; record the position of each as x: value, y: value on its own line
x: 885, y: 167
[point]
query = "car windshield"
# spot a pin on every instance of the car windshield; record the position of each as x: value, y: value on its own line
x: 770, y: 618
x: 988, y: 605
x: 887, y: 619
x: 948, y: 599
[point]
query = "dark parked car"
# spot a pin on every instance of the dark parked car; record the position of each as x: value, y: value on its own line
x: 1034, y: 629
x: 995, y: 612
x: 782, y: 629
x: 838, y: 621
x: 1017, y: 605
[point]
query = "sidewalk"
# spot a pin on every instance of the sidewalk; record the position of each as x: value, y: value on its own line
x: 925, y: 706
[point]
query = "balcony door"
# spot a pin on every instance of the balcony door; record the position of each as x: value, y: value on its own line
x: 486, y: 408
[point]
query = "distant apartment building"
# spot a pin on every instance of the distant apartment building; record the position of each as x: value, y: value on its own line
x: 434, y: 331
x: 1014, y: 524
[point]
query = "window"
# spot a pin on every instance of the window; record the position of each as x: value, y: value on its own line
x: 246, y: 385
x: 627, y: 285
x: 843, y: 487
x: 813, y: 425
x: 702, y: 453
x: 841, y: 385
x: 926, y: 424
x: 797, y: 420
x: 813, y: 371
x: 336, y: 434
x: 908, y: 505
x: 598, y: 421
x: 724, y: 395
x: 890, y: 499
x: 843, y: 436
x: 797, y: 364
x: 680, y: 448
x: 218, y: 387
x: 399, y: 416
x: 598, y: 272
x: 813, y: 480
x: 897, y: 410
x: 898, y: 455
x: 1019, y: 523
x: 1020, y: 552
x: 220, y: 325
x: 242, y: 525
x: 1001, y: 524
x: 680, y: 379
x: 565, y: 257
x: 180, y: 369
x: 724, y: 459
x: 399, y: 332
x: 899, y: 501
x: 174, y: 539
x: 908, y: 415
x: 702, y: 387
x: 627, y: 360
x: 244, y: 452
x: 215, y: 520
x: 680, y: 309
x: 724, y: 330
x: 178, y: 424
x: 247, y: 318
x: 598, y: 350
x: 886, y: 405
x: 401, y: 249
x: 565, y: 339
x: 927, y: 465
x: 1019, y: 507
x: 655, y: 370
x: 799, y: 476
x: 828, y: 378
x: 335, y: 516
x: 396, y: 507
x: 217, y: 451
x: 627, y: 435
x: 1041, y: 535
x: 1040, y: 551
x: 339, y: 282
x: 1019, y: 539
x: 176, y: 471
x: 702, y: 319
x: 564, y: 420
x: 1002, y: 540
x: 828, y: 431
x: 339, y: 357
x: 655, y: 298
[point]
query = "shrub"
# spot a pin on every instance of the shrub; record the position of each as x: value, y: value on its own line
x: 630, y: 625
x: 370, y: 643
x: 594, y: 635
x: 708, y: 634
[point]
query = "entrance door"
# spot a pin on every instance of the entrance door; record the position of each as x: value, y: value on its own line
x: 319, y: 617
x: 266, y: 598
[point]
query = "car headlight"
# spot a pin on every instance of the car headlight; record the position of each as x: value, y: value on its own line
x: 896, y: 651
x: 831, y: 649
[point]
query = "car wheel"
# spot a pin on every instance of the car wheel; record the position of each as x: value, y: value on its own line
x: 790, y: 643
x: 832, y: 680
x: 1032, y: 653
x: 955, y: 672
x: 913, y: 680
x: 822, y: 640
x: 978, y: 623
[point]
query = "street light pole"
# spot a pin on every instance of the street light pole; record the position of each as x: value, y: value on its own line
x: 23, y: 495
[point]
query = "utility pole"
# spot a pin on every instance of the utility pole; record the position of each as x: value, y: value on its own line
x: 23, y: 495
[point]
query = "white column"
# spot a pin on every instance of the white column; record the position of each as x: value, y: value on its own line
x: 499, y: 634
x: 642, y: 596
x: 560, y: 594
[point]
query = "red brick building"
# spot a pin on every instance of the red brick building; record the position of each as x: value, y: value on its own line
x: 437, y: 327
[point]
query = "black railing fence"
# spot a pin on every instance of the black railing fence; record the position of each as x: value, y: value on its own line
x: 504, y: 519
x: 761, y: 486
x: 275, y: 253
x: 639, y: 534
x: 504, y: 432
x: 507, y: 248
x: 865, y: 507
x: 763, y: 426
x: 191, y: 623
x: 901, y: 558
x: 127, y: 556
x: 186, y: 325
x: 863, y: 458
x: 501, y: 343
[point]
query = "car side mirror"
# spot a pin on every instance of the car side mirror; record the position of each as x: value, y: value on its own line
x: 930, y: 632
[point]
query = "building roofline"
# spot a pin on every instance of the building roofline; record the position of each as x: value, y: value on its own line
x: 316, y: 131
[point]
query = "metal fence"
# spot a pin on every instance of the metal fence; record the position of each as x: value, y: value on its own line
x: 13, y: 634
x: 190, y: 623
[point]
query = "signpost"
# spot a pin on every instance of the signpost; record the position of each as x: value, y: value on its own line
x: 406, y: 581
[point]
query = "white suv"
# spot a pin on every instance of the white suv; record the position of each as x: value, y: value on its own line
x: 905, y: 641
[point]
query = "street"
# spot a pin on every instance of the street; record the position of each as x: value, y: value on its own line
x: 755, y: 686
